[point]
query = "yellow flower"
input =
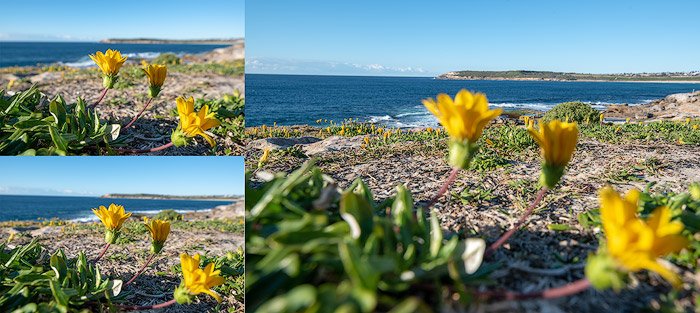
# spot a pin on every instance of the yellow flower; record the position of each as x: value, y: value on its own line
x: 601, y: 118
x: 197, y: 280
x: 112, y: 217
x: 465, y: 117
x: 193, y: 123
x: 156, y: 77
x: 557, y: 141
x: 696, y: 126
x: 265, y: 156
x: 159, y: 230
x: 109, y: 62
x: 634, y: 243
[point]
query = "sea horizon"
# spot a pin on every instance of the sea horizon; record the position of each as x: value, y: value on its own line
x: 395, y: 101
x: 75, y: 53
x: 79, y: 208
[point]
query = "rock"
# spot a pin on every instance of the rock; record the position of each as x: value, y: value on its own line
x: 229, y: 211
x: 45, y: 231
x: 45, y: 76
x: 676, y: 107
x: 333, y: 143
x: 276, y: 143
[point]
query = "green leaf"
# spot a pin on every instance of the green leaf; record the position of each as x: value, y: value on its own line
x: 60, y: 297
x: 58, y: 265
x: 58, y: 141
x: 559, y: 227
x: 435, y: 235
x: 58, y: 111
x: 355, y: 210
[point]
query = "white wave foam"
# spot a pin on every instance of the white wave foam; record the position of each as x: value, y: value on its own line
x: 93, y: 218
x: 376, y: 119
x: 143, y: 55
x: 413, y: 113
x: 85, y: 62
x: 534, y: 106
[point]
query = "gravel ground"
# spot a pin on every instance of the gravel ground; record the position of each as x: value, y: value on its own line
x: 536, y: 257
x: 121, y: 261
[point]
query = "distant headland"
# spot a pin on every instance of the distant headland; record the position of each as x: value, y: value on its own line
x: 231, y: 41
x: 170, y: 197
x: 692, y: 76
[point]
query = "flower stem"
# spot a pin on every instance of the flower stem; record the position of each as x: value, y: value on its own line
x: 102, y: 96
x: 140, y: 113
x: 450, y: 179
x: 143, y: 268
x: 148, y: 307
x: 163, y: 147
x: 558, y: 292
x: 102, y: 253
x: 501, y: 240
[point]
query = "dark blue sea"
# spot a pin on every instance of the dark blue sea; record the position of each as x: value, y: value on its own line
x: 76, y: 53
x: 79, y: 208
x: 396, y: 101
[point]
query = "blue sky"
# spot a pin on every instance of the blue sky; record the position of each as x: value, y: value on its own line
x: 94, y: 176
x: 89, y: 20
x: 424, y: 38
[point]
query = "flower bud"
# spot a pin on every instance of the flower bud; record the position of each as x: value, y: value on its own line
x: 111, y: 236
x: 153, y: 91
x: 108, y: 81
x: 601, y: 270
x: 551, y: 175
x: 695, y: 191
x: 181, y: 295
x: 156, y: 246
x: 178, y: 138
x: 461, y: 153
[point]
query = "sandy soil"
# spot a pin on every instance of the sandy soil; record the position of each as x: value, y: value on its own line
x: 119, y: 106
x: 536, y: 257
x: 121, y: 261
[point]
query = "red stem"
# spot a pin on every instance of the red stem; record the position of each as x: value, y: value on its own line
x: 147, y: 307
x: 140, y: 113
x: 561, y: 291
x: 102, y: 253
x: 163, y: 147
x: 102, y: 96
x: 516, y: 226
x: 450, y: 179
x: 143, y: 268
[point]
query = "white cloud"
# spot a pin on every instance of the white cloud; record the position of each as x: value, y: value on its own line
x: 287, y: 66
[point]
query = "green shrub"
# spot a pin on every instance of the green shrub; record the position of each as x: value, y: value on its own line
x: 578, y: 112
x: 59, y: 128
x: 33, y: 281
x: 308, y: 251
x: 166, y: 59
x: 168, y: 215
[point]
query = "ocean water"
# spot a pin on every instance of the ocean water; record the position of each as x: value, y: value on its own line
x: 396, y: 101
x: 79, y: 208
x: 76, y: 53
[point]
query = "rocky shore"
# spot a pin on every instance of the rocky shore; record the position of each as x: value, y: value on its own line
x: 673, y: 107
x: 210, y: 75
x: 676, y: 77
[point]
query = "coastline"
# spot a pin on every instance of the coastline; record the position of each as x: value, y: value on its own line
x: 211, y: 76
x: 224, y: 211
x: 576, y: 80
x: 231, y: 42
